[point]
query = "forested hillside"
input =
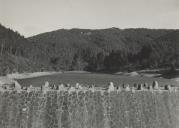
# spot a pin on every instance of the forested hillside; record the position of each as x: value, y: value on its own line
x: 108, y: 50
x: 16, y: 52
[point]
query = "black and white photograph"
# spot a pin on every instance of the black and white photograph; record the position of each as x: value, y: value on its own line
x: 89, y: 63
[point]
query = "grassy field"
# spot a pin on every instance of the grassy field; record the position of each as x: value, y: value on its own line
x: 92, y: 78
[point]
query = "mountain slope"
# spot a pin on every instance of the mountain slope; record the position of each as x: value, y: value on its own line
x: 106, y: 49
x: 15, y: 52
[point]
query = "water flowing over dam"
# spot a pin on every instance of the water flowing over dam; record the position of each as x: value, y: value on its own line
x: 79, y: 109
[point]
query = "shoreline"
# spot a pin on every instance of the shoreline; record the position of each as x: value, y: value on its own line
x: 30, y: 75
x: 38, y: 74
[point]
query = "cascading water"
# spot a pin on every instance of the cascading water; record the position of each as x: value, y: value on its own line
x: 79, y: 109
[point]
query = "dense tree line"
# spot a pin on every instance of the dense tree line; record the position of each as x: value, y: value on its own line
x: 108, y: 50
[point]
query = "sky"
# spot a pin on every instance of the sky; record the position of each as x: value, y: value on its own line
x: 31, y: 17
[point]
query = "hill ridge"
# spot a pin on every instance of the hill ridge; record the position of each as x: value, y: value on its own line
x: 108, y: 50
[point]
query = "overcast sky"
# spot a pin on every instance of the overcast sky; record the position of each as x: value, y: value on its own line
x: 30, y: 17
